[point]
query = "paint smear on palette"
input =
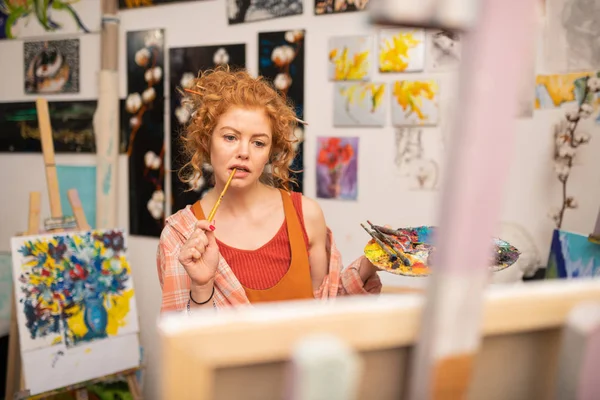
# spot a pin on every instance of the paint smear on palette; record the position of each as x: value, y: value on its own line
x: 337, y: 168
x: 73, y: 288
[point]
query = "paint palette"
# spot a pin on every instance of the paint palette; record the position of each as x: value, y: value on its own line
x: 409, y: 251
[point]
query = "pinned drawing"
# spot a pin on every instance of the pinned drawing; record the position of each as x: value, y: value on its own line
x: 281, y: 60
x: 443, y: 50
x: 323, y: 7
x: 415, y: 103
x: 359, y: 104
x: 337, y: 168
x: 240, y: 11
x: 74, y: 292
x: 28, y: 18
x: 571, y: 38
x: 146, y: 149
x: 350, y: 58
x: 185, y: 64
x: 418, y: 158
x: 52, y: 66
x: 401, y: 50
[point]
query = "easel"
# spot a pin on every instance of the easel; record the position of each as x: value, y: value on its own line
x: 14, y: 375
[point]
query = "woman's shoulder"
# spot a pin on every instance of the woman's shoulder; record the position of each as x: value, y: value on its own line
x: 178, y: 227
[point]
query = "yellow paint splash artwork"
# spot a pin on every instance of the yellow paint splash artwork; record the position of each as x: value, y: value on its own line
x: 395, y: 51
x: 412, y: 96
x: 349, y: 59
x: 355, y: 94
x: 552, y: 91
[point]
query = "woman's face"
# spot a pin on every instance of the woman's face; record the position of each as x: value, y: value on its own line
x: 242, y: 139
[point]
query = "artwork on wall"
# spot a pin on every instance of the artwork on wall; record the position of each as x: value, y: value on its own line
x: 415, y: 102
x: 571, y: 35
x: 572, y: 255
x: 72, y: 127
x: 27, y: 18
x: 526, y: 92
x: 51, y: 66
x: 401, y: 50
x: 359, y: 104
x: 350, y: 58
x: 339, y: 6
x: 185, y: 65
x: 6, y: 292
x: 337, y: 168
x: 146, y: 148
x: 76, y: 309
x: 125, y: 4
x: 418, y: 158
x: 240, y: 11
x: 553, y: 91
x: 281, y: 60
x: 443, y: 50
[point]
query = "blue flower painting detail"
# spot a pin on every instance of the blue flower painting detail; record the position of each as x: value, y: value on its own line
x: 572, y: 255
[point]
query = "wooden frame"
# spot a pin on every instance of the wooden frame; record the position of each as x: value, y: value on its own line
x: 207, y: 355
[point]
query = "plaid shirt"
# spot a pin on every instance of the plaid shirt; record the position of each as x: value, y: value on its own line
x: 175, y: 282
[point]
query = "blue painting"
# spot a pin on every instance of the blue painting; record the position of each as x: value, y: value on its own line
x: 572, y: 255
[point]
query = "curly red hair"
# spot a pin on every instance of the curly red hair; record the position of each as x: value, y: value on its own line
x: 211, y: 94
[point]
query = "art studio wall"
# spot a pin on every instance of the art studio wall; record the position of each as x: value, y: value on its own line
x: 386, y: 184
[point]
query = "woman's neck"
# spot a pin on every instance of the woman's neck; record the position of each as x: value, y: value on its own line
x: 238, y: 201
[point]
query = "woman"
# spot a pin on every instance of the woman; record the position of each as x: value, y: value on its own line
x: 266, y: 243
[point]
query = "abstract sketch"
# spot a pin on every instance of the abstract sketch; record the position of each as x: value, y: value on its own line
x: 52, y: 66
x: 415, y: 102
x: 417, y: 159
x: 74, y: 296
x: 72, y: 127
x: 337, y: 168
x: 571, y: 38
x: 359, y: 104
x: 323, y: 7
x: 240, y: 11
x: 401, y: 50
x: 443, y: 50
x: 281, y: 60
x: 554, y: 91
x: 126, y: 4
x: 185, y: 65
x: 6, y: 292
x: 146, y: 148
x: 29, y: 18
x: 572, y: 255
x: 350, y: 58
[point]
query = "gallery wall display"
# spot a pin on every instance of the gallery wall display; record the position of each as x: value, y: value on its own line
x: 29, y: 18
x: 240, y: 11
x: 146, y: 148
x: 71, y: 121
x: 281, y: 60
x: 51, y: 66
x: 185, y: 63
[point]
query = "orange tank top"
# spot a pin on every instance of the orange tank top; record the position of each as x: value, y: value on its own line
x: 278, y: 270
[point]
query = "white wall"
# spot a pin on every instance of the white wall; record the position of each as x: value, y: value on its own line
x: 532, y: 187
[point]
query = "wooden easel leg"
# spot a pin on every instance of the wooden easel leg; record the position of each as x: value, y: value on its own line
x: 14, y: 378
x: 134, y: 388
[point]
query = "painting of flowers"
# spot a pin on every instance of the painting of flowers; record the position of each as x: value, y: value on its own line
x: 415, y: 103
x: 401, y: 50
x: 27, y: 18
x: 323, y: 7
x: 185, y: 63
x: 146, y: 151
x: 75, y: 297
x: 554, y: 91
x: 350, y: 58
x: 337, y: 168
x: 281, y: 60
x: 359, y: 104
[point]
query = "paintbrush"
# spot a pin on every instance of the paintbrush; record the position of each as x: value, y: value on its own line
x: 391, y: 241
x: 393, y: 257
x: 218, y: 203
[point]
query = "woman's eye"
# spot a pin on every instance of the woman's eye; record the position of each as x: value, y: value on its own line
x: 229, y: 138
x: 259, y: 144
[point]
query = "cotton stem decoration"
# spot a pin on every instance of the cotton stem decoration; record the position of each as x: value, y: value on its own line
x: 567, y: 141
x: 283, y: 56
